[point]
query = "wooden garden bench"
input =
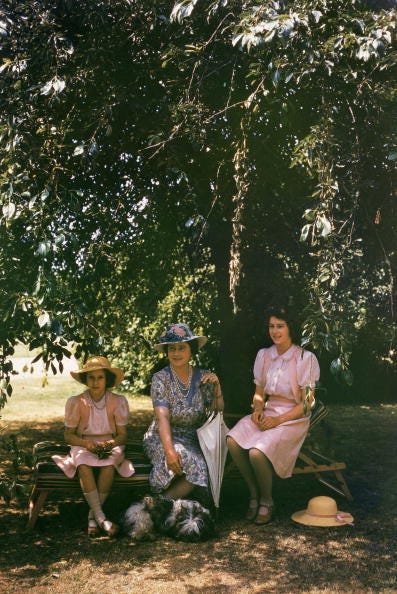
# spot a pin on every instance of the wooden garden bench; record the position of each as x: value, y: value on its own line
x: 48, y: 477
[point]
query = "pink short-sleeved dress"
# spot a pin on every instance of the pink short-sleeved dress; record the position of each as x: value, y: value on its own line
x: 98, y: 428
x: 282, y: 377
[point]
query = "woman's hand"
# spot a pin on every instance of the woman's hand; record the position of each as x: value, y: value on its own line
x: 268, y: 423
x: 212, y: 381
x: 172, y: 458
x: 174, y: 461
x: 212, y: 378
x: 257, y: 417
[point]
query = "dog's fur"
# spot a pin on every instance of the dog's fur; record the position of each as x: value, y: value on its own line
x: 137, y: 522
x: 182, y: 519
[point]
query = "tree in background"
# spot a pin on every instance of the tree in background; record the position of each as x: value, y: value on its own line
x: 198, y: 160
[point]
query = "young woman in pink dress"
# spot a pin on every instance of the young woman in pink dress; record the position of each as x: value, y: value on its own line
x: 269, y: 440
x: 96, y: 429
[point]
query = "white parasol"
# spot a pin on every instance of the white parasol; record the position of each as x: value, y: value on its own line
x: 212, y: 438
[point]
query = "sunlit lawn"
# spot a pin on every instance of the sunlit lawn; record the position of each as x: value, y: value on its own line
x: 34, y: 400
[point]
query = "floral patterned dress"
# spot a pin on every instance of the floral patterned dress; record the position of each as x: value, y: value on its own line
x: 186, y: 415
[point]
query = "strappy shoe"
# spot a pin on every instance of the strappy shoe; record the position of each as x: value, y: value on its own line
x: 252, y: 510
x: 109, y: 528
x: 93, y: 529
x: 265, y: 514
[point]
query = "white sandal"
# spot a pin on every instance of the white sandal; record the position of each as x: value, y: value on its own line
x: 109, y: 528
x: 93, y: 528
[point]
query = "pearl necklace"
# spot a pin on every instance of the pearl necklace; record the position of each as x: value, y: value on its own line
x: 99, y: 407
x: 182, y: 388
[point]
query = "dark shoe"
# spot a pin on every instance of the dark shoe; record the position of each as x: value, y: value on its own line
x: 265, y: 514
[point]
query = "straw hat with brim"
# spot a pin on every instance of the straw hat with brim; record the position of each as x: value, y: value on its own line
x: 96, y: 364
x: 178, y: 333
x: 322, y: 511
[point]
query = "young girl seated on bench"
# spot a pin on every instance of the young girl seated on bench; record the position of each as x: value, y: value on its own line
x: 96, y: 429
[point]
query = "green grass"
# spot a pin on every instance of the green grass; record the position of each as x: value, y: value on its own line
x: 284, y: 557
x: 35, y: 401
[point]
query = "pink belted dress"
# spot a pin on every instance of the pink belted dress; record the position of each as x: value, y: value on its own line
x: 282, y: 377
x: 97, y: 421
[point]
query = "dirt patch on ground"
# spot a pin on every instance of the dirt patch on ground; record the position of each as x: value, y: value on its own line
x: 283, y: 557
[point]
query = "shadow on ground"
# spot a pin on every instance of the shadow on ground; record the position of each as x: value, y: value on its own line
x: 283, y: 557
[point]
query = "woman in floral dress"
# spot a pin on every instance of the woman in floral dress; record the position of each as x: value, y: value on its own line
x: 181, y: 398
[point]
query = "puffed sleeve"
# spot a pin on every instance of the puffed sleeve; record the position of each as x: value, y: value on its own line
x: 259, y: 369
x: 122, y: 411
x: 307, y: 370
x: 158, y: 390
x: 72, y: 412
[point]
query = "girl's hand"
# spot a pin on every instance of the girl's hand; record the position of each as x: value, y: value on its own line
x: 174, y: 461
x: 104, y: 449
x: 91, y: 446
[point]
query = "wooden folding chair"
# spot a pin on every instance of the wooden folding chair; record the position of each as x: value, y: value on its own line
x: 326, y: 470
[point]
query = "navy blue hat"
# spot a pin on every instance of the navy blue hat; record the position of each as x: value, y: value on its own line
x: 178, y: 333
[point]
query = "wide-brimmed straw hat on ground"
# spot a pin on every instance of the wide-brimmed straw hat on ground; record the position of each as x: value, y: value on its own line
x: 322, y: 511
x: 95, y: 364
x: 178, y: 333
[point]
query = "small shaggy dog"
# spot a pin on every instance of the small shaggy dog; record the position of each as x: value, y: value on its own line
x: 182, y: 519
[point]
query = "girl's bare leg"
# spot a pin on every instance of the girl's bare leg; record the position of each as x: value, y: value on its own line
x: 263, y: 470
x: 241, y: 459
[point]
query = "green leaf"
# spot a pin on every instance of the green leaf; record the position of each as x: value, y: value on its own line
x: 324, y: 276
x: 43, y: 319
x: 58, y: 85
x: 32, y: 202
x: 309, y: 215
x: 46, y: 89
x: 44, y: 248
x: 323, y: 226
x: 316, y: 15
x: 9, y: 210
x: 336, y: 366
x: 79, y: 150
x: 347, y: 376
x: 182, y: 10
x: 305, y: 233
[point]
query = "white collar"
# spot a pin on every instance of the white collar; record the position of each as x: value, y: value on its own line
x: 287, y: 356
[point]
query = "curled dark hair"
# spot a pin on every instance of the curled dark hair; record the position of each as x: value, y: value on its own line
x: 282, y: 313
x: 110, y: 378
x: 193, y: 344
